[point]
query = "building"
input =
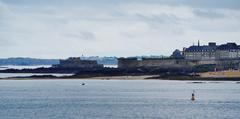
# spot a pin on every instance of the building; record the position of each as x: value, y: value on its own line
x: 228, y: 51
x: 130, y: 62
x: 206, y: 52
x: 76, y: 62
x: 223, y: 56
x: 212, y: 52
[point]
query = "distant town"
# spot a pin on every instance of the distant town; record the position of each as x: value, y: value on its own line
x: 219, y: 57
x: 193, y: 60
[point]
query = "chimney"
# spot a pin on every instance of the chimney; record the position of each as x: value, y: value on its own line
x: 212, y: 44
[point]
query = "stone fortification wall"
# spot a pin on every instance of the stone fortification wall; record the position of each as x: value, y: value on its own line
x: 204, y: 62
x: 163, y: 63
x: 154, y: 62
x: 78, y: 63
x: 128, y: 63
x: 228, y: 64
x: 176, y: 63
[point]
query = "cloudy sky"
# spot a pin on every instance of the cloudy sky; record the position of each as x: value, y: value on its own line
x: 63, y: 28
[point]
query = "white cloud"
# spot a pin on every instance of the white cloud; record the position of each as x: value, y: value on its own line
x: 122, y: 29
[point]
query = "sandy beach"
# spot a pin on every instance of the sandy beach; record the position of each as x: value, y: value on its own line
x: 219, y: 74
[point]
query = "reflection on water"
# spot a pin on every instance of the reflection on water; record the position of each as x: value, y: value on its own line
x: 116, y: 99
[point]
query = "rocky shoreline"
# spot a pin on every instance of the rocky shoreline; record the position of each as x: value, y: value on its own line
x: 195, y: 78
x: 126, y: 77
x: 116, y: 73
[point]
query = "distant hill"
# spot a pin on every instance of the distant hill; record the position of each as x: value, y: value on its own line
x: 34, y: 61
x: 27, y: 61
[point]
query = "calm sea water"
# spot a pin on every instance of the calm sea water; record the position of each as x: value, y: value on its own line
x: 9, y: 75
x: 23, y: 67
x: 118, y: 99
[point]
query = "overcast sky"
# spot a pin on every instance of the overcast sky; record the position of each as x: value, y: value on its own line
x: 64, y: 28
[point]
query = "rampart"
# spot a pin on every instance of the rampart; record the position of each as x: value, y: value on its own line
x: 222, y: 64
x: 78, y: 63
x: 154, y: 62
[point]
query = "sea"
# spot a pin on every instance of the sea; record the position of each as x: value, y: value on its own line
x: 9, y: 75
x: 118, y: 99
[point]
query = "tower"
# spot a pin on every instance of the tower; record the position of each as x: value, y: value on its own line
x: 198, y: 43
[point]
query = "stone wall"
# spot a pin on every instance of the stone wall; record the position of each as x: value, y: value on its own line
x: 176, y: 63
x: 78, y: 63
x: 154, y: 62
x: 203, y: 62
x: 228, y: 64
x: 163, y: 63
x: 128, y: 63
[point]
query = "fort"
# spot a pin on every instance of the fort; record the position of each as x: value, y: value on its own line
x: 76, y: 62
x: 217, y: 57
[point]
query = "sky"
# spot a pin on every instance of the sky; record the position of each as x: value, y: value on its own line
x: 69, y: 28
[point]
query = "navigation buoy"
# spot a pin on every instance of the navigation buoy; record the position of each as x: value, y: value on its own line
x: 193, y: 96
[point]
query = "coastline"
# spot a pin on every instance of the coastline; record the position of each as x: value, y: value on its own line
x: 140, y: 77
x: 143, y: 77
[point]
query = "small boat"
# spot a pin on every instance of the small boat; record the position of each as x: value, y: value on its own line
x: 83, y: 84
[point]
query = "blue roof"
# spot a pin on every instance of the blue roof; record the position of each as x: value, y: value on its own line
x: 201, y: 48
x: 228, y: 46
x: 207, y: 48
